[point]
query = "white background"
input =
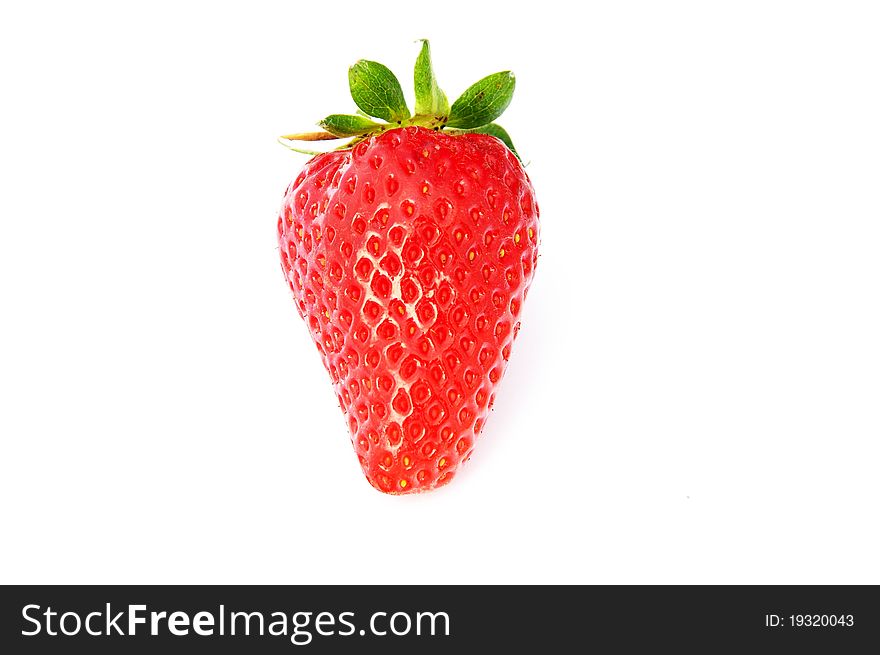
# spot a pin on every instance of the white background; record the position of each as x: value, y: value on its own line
x: 694, y: 393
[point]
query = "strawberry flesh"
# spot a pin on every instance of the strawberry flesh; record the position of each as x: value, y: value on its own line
x: 409, y: 257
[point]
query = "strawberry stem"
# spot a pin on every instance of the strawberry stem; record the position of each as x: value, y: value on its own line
x: 377, y: 93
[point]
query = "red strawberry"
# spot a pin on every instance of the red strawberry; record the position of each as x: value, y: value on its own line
x: 409, y: 254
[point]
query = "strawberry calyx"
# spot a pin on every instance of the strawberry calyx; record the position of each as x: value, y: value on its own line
x: 382, y: 106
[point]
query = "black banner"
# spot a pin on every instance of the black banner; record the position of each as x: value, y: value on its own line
x: 430, y: 619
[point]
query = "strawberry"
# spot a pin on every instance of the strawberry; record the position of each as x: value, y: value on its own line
x: 409, y: 252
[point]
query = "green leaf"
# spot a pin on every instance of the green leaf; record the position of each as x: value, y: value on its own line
x: 483, y: 102
x: 430, y: 99
x: 348, y: 125
x: 493, y: 129
x: 303, y: 151
x: 376, y: 91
